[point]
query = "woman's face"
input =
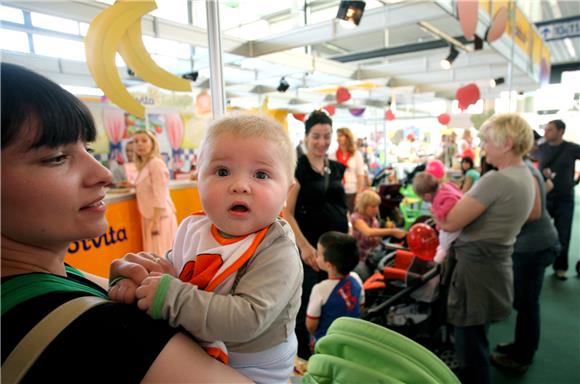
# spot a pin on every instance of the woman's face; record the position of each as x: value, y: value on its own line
x: 52, y: 196
x: 342, y: 140
x: 143, y: 144
x: 465, y: 165
x: 494, y: 154
x: 318, y: 140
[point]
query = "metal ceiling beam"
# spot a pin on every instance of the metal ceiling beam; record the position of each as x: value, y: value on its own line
x: 377, y: 19
x: 399, y: 50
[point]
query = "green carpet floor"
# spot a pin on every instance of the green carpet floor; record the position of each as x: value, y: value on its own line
x: 558, y: 358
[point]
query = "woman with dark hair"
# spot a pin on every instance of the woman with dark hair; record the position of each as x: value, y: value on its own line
x: 53, y: 193
x: 315, y: 205
x: 470, y: 174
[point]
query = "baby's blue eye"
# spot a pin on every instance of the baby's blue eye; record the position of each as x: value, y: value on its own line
x: 222, y: 172
x: 262, y: 175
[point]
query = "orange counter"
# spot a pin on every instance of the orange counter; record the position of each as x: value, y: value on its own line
x: 124, y: 232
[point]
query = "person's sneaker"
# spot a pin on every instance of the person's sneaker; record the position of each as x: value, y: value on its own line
x: 505, y: 361
x: 560, y: 274
x: 504, y: 348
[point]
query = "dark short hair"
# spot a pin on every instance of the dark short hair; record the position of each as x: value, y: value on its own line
x: 469, y: 160
x: 340, y: 250
x: 58, y: 117
x: 559, y: 124
x: 316, y: 117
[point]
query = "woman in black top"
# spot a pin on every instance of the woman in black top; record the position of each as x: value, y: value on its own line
x: 315, y: 205
x: 53, y: 193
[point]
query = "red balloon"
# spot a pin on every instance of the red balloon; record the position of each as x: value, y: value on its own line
x: 444, y: 118
x: 299, y: 116
x: 467, y: 95
x: 342, y: 95
x: 331, y: 109
x: 423, y: 241
x: 158, y: 130
x: 389, y: 115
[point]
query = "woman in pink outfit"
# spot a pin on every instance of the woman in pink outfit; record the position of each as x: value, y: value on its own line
x: 158, y: 220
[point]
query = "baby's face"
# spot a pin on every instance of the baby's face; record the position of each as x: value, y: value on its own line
x: 427, y: 197
x: 242, y: 184
x: 322, y: 264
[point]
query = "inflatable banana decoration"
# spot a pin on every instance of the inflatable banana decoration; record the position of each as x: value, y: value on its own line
x: 118, y: 28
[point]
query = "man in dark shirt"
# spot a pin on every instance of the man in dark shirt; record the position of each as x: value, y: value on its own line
x: 557, y: 159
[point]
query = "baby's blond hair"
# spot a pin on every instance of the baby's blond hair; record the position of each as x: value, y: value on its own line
x: 424, y: 183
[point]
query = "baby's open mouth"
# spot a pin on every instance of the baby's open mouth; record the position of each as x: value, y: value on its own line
x: 239, y: 208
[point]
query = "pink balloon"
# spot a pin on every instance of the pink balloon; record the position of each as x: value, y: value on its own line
x: 467, y: 11
x: 436, y: 168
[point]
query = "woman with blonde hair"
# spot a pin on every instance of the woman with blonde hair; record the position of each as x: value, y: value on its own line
x: 489, y: 215
x: 367, y: 230
x: 158, y: 220
x: 347, y: 155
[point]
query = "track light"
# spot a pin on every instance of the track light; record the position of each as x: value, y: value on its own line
x: 497, y: 81
x: 448, y: 61
x: 190, y: 76
x: 350, y: 13
x: 283, y: 86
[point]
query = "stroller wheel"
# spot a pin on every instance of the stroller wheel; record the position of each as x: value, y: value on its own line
x: 448, y: 357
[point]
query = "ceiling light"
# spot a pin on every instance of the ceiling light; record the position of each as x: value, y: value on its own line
x: 448, y: 61
x: 283, y: 86
x: 350, y: 13
x: 190, y: 76
x: 495, y: 82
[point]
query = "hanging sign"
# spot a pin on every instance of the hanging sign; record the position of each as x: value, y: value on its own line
x: 560, y: 28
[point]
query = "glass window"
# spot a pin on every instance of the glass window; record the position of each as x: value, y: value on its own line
x: 54, y: 23
x: 83, y: 27
x: 174, y: 10
x: 14, y: 41
x: 57, y: 47
x: 11, y: 14
x: 167, y: 47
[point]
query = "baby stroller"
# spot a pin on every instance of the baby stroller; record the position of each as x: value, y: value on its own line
x: 404, y: 294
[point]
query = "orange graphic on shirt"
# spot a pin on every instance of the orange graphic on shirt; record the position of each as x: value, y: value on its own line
x: 201, y: 270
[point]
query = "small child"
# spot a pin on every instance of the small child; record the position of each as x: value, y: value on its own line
x: 443, y: 197
x: 342, y: 293
x: 367, y: 231
x: 239, y: 274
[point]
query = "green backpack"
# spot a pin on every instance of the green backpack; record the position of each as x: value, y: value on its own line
x: 355, y: 350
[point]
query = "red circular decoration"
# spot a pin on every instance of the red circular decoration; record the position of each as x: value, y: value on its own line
x: 444, y: 118
x: 389, y: 115
x: 299, y: 116
x: 423, y: 241
x: 158, y: 130
x: 467, y: 95
x: 342, y: 95
x: 331, y: 109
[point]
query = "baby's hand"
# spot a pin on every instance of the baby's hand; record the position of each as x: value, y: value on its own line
x: 146, y: 291
x: 123, y: 291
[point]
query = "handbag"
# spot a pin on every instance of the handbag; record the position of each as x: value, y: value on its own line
x: 25, y: 354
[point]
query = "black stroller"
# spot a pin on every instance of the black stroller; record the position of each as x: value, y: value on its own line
x: 406, y: 295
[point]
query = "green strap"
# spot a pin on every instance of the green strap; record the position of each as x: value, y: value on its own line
x: 25, y: 287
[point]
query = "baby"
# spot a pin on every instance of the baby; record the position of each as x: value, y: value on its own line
x: 238, y: 272
x: 442, y: 196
